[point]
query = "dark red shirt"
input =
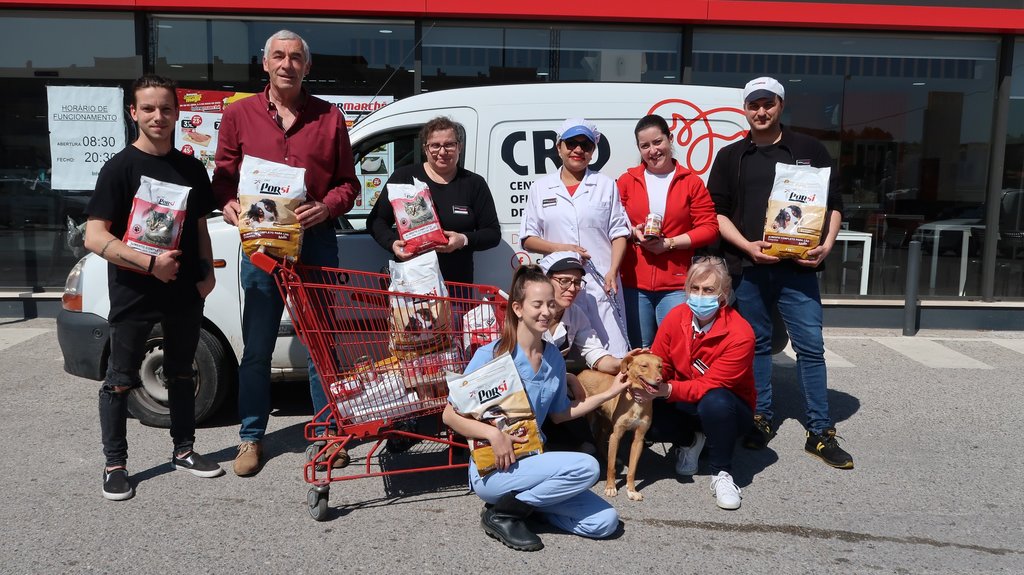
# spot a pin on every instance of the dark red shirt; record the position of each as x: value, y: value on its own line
x: 317, y: 141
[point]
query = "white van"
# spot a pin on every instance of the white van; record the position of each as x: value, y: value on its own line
x: 510, y: 141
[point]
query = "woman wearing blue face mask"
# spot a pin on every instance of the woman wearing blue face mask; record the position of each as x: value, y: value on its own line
x: 708, y: 353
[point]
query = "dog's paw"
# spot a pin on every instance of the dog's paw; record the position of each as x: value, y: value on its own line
x: 634, y: 495
x: 610, y: 491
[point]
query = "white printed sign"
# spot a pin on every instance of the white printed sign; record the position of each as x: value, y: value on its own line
x: 86, y: 130
x: 375, y: 167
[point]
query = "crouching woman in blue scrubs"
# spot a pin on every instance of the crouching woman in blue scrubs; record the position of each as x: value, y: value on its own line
x: 554, y: 484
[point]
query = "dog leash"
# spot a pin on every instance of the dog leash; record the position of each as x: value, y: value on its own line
x: 613, y: 298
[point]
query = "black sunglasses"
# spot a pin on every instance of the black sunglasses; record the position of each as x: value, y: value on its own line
x: 585, y: 144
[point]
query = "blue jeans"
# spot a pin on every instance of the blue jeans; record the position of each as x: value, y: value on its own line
x: 558, y: 484
x: 796, y: 294
x: 645, y: 311
x: 261, y: 318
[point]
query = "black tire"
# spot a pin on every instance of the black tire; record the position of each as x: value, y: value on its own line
x: 148, y: 403
x: 316, y: 503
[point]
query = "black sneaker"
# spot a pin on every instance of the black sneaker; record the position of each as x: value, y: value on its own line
x: 116, y: 486
x: 760, y: 434
x: 826, y: 446
x: 196, y: 465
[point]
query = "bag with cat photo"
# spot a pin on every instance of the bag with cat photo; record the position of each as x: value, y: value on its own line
x: 415, y: 217
x: 157, y: 216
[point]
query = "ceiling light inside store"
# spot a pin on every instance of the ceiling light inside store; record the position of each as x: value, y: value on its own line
x: 164, y: 26
x: 796, y: 80
x: 177, y: 66
x: 919, y: 83
x: 385, y: 31
x: 542, y: 73
x: 669, y: 77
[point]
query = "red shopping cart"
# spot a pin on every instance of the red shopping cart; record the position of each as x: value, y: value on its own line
x: 382, y: 357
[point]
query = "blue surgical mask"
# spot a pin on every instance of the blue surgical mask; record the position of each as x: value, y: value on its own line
x: 704, y: 307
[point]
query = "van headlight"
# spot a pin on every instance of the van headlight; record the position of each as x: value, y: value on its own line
x: 72, y: 298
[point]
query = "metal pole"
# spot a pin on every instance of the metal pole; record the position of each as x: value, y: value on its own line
x: 995, y: 173
x: 910, y: 303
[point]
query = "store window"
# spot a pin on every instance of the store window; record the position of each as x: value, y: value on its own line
x: 36, y: 50
x: 908, y: 121
x: 349, y: 58
x: 1010, y: 246
x: 461, y: 55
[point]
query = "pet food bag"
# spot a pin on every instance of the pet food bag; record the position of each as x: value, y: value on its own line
x: 796, y: 210
x: 495, y: 395
x: 157, y: 217
x: 480, y: 326
x: 418, y: 324
x: 269, y: 192
x: 415, y: 217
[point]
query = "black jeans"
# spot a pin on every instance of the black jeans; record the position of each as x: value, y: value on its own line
x: 128, y: 335
x: 721, y: 415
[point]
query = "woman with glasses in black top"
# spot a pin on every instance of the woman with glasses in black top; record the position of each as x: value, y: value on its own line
x: 461, y: 198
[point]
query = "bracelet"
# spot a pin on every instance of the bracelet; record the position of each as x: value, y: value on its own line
x: 672, y: 243
x: 152, y: 262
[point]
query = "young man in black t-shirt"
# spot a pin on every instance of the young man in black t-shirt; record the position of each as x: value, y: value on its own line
x: 740, y: 184
x: 169, y: 288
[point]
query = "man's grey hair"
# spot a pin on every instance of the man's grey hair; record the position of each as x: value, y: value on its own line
x: 288, y: 35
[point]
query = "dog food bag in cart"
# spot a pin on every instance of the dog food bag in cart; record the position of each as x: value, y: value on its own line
x: 269, y: 192
x: 418, y: 324
x: 415, y: 217
x: 495, y: 395
x: 158, y: 213
x: 796, y: 210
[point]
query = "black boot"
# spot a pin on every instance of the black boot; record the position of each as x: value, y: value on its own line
x: 505, y: 522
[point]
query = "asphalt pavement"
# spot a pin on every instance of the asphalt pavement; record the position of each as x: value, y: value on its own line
x: 930, y: 420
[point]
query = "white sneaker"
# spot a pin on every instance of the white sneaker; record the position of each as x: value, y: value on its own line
x: 727, y: 495
x: 686, y: 464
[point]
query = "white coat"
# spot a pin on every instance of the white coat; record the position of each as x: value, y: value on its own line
x: 591, y: 218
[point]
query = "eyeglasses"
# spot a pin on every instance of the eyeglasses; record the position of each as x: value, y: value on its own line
x: 448, y: 147
x: 716, y: 260
x: 564, y: 283
x: 582, y: 143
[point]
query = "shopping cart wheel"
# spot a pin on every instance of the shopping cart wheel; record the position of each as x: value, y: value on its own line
x: 317, y: 501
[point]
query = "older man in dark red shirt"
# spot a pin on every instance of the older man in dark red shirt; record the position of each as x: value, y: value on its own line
x: 283, y: 124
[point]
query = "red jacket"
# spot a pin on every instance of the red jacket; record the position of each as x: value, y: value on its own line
x: 727, y: 350
x: 688, y: 209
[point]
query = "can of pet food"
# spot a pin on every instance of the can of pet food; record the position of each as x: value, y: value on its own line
x: 366, y: 372
x: 652, y: 226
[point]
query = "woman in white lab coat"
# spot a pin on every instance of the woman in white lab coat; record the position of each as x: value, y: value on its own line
x: 578, y: 210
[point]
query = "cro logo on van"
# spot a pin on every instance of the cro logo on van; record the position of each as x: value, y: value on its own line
x: 542, y: 146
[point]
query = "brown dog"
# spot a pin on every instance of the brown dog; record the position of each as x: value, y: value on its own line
x: 620, y: 414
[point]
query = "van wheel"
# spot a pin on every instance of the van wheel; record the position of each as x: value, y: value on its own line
x: 148, y: 403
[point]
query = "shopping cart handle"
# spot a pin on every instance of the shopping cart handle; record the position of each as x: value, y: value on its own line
x: 263, y: 261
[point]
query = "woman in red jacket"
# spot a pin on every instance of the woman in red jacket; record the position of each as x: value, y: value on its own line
x: 654, y: 268
x: 708, y: 354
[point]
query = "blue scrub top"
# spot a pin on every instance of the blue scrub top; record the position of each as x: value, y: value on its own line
x: 545, y: 388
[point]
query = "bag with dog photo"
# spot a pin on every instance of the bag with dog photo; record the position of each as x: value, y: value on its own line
x: 155, y: 222
x: 415, y: 217
x: 796, y: 210
x: 495, y: 395
x: 269, y: 192
x: 418, y: 324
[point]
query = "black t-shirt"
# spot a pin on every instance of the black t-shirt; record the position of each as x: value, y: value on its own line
x: 463, y: 205
x: 116, y: 185
x: 756, y: 181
